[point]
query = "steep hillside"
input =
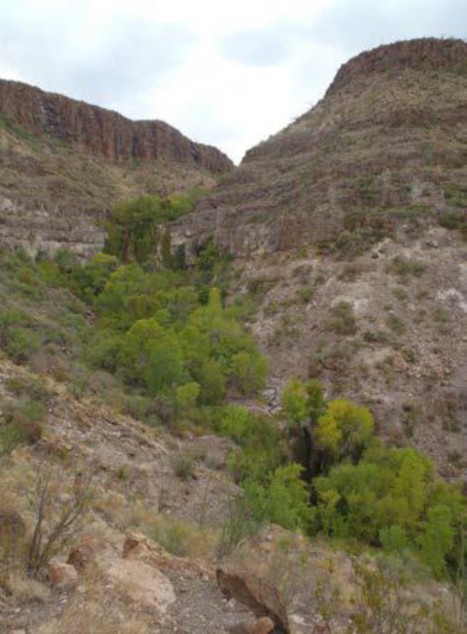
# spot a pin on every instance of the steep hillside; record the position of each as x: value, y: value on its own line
x: 386, y: 145
x: 135, y: 500
x: 64, y: 163
x: 348, y: 228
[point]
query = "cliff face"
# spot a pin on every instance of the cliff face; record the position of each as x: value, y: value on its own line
x: 103, y: 132
x: 387, y: 140
x: 335, y: 224
x: 428, y: 54
x: 64, y: 164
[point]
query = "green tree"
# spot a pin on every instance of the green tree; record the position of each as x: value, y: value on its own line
x: 212, y: 380
x: 437, y: 539
x: 282, y: 500
x: 345, y: 430
x: 186, y: 397
x: 249, y: 370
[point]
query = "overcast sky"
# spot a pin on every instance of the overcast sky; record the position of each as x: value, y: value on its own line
x: 225, y: 73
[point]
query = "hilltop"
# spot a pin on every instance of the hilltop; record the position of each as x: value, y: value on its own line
x: 64, y: 164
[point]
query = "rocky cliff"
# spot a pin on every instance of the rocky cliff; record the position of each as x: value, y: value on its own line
x: 103, y: 132
x: 64, y: 164
x: 387, y: 142
x: 348, y: 231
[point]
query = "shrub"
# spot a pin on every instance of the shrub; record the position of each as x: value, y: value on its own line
x: 283, y: 499
x: 406, y: 268
x: 395, y: 323
x: 392, y: 498
x: 343, y: 320
x: 181, y: 538
x: 22, y: 423
x: 249, y: 371
x: 237, y: 423
x: 55, y: 523
x: 186, y: 397
x: 21, y: 344
x: 183, y: 465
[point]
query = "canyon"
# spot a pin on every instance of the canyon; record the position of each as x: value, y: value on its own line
x: 343, y: 240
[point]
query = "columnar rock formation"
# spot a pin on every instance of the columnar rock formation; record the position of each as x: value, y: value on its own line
x: 64, y: 164
x: 103, y: 132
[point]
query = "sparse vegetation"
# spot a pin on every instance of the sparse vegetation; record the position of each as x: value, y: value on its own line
x: 405, y: 269
x: 342, y: 320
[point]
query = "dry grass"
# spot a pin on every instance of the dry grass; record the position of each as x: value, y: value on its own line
x: 22, y: 589
x: 181, y: 538
x: 93, y: 617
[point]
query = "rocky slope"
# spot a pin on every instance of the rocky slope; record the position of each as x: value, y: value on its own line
x: 386, y: 144
x: 113, y: 574
x: 64, y: 163
x: 335, y: 224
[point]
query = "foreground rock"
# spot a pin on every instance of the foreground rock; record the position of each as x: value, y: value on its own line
x: 306, y: 587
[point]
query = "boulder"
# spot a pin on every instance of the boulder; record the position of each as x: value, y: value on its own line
x: 142, y: 584
x: 61, y: 575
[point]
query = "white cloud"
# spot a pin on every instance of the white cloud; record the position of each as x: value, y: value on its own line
x: 229, y: 74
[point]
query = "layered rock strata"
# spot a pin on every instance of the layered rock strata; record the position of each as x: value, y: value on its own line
x: 387, y: 142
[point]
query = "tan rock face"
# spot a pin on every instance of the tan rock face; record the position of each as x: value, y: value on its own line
x: 372, y: 154
x: 140, y: 580
x: 142, y: 583
x: 101, y: 131
x: 62, y: 575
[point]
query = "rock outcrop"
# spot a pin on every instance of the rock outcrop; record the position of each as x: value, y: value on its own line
x: 385, y: 144
x: 341, y: 210
x: 64, y: 164
x: 102, y: 132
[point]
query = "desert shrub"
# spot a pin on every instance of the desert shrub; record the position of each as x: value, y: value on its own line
x: 21, y: 423
x: 395, y: 323
x: 104, y: 349
x: 181, y: 538
x: 57, y: 511
x: 385, y: 603
x: 241, y: 522
x: 22, y: 344
x: 16, y: 338
x: 260, y: 450
x: 12, y: 530
x: 404, y: 269
x: 137, y: 405
x: 30, y: 387
x: 182, y: 464
x: 455, y: 221
x: 212, y: 380
x: 237, y: 423
x: 186, y: 399
x: 342, y: 320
